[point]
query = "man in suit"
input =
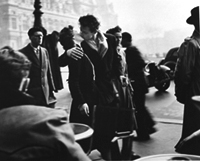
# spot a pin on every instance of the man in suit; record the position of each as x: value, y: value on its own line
x: 29, y: 132
x: 41, y: 82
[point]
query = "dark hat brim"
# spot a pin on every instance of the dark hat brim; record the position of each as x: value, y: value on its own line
x: 194, y: 17
x: 190, y: 20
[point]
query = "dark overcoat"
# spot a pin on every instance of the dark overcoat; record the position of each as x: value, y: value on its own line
x: 106, y: 68
x: 136, y: 64
x: 190, y: 70
x: 81, y: 85
x: 41, y: 81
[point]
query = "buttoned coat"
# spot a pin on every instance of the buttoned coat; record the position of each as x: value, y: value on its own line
x: 41, y: 81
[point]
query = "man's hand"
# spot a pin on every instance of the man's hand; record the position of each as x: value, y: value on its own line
x: 84, y: 109
x: 75, y: 53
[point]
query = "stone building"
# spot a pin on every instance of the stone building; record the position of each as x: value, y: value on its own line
x: 16, y: 17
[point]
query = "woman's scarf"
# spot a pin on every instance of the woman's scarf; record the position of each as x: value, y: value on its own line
x: 99, y: 44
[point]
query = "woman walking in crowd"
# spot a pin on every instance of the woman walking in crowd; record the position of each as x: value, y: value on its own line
x: 127, y: 88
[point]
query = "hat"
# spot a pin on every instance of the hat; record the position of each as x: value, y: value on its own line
x: 35, y: 29
x: 194, y: 16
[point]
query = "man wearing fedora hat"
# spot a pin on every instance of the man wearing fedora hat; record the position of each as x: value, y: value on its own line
x: 188, y: 71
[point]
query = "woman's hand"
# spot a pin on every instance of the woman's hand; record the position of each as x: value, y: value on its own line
x: 84, y: 109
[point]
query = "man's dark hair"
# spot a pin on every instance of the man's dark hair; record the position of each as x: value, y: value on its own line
x: 89, y: 21
x: 32, y: 30
x: 114, y: 30
x: 126, y: 36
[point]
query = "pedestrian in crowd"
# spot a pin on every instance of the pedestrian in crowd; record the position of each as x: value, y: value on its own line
x: 29, y: 132
x: 81, y: 80
x: 41, y: 85
x: 135, y: 65
x: 117, y: 32
x: 188, y: 71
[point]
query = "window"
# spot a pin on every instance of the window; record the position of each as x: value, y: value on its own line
x: 14, y: 23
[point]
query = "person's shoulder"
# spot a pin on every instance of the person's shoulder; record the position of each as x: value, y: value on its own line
x: 43, y: 49
x: 191, y: 41
x: 23, y: 49
x: 132, y: 48
x: 36, y: 112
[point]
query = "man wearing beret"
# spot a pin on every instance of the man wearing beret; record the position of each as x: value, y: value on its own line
x: 41, y: 81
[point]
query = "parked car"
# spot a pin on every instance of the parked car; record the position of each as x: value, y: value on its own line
x: 170, y: 60
x: 157, y: 76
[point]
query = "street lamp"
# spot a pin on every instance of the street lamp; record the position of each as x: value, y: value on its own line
x: 37, y: 13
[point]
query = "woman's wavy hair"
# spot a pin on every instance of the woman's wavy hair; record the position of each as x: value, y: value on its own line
x: 89, y: 21
x: 66, y: 37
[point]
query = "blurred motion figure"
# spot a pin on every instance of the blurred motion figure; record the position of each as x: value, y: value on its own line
x: 135, y: 66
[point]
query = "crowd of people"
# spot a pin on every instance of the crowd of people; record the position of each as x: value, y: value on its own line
x: 105, y: 70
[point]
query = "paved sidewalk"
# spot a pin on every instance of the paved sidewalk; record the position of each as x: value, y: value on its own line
x: 161, y: 142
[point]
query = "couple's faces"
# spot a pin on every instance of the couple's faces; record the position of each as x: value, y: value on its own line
x: 86, y: 34
x: 68, y: 42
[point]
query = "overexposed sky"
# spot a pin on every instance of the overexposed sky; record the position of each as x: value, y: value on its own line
x: 151, y: 18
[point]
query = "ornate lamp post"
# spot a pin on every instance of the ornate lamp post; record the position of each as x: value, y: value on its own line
x: 37, y: 13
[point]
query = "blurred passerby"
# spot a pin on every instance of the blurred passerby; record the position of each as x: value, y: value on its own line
x: 135, y: 65
x: 41, y: 85
x: 188, y: 71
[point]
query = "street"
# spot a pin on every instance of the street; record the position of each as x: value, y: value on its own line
x: 163, y: 105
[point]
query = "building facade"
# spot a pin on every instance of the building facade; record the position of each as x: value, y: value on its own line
x: 16, y: 17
